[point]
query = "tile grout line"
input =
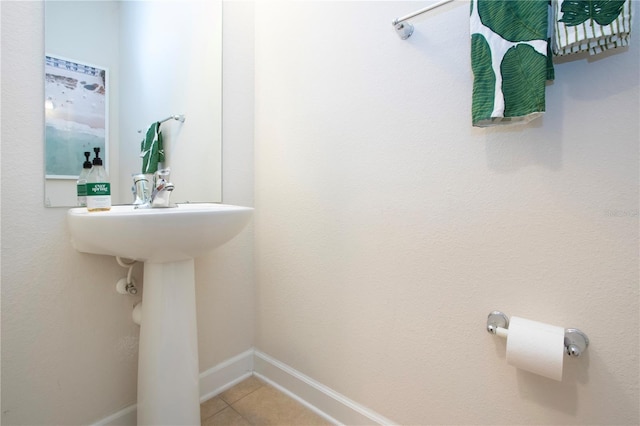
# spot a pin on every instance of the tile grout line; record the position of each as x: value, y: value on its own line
x: 243, y: 417
x: 231, y: 404
x: 234, y: 405
x: 227, y: 405
x: 262, y: 384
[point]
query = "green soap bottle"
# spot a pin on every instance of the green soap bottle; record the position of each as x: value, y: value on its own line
x: 81, y: 184
x: 98, y: 186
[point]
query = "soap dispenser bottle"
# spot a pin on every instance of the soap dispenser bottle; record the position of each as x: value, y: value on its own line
x: 98, y: 186
x: 81, y: 184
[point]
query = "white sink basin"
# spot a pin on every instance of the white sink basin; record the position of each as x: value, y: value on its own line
x: 156, y: 235
x: 166, y: 240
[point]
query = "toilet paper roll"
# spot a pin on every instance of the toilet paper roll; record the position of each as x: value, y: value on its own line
x: 536, y: 347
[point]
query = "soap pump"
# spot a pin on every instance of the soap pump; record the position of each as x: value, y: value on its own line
x: 81, y: 184
x: 98, y: 186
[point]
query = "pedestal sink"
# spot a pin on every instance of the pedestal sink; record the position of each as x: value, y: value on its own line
x: 166, y: 240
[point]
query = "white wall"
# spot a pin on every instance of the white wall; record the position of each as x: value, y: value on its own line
x: 225, y: 281
x: 387, y: 228
x: 69, y: 347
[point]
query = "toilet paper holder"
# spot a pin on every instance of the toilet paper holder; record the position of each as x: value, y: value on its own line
x: 575, y: 341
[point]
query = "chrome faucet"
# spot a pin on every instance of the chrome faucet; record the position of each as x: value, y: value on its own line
x: 161, y: 189
x: 152, y: 196
x: 141, y: 189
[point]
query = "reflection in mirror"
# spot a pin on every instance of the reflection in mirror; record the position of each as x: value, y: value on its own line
x: 75, y: 117
x: 159, y: 59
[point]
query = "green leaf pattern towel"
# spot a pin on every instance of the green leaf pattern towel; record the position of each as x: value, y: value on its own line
x: 509, y: 59
x: 152, y: 149
x: 590, y: 25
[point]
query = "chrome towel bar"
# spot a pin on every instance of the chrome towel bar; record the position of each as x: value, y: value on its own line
x: 179, y: 118
x: 405, y: 29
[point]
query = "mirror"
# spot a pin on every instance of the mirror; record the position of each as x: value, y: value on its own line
x: 114, y: 68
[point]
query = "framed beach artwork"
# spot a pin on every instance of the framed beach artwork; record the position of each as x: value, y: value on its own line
x: 76, y: 115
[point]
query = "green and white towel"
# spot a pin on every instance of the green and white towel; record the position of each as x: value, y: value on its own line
x: 590, y: 25
x: 151, y: 149
x: 510, y: 60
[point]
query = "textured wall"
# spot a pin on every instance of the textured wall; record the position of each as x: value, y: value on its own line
x: 225, y: 283
x: 69, y: 347
x: 387, y: 228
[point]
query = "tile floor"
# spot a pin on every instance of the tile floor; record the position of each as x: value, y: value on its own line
x: 253, y: 402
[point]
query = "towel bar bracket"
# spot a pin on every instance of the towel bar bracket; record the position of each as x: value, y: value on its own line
x: 403, y: 29
x: 179, y: 118
x: 497, y: 319
x: 575, y: 342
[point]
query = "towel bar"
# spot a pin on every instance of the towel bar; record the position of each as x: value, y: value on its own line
x: 179, y: 118
x: 405, y: 29
x: 575, y: 341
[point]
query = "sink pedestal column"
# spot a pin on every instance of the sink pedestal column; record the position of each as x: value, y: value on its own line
x: 168, y: 371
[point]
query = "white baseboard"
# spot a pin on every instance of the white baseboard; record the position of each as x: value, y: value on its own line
x: 212, y: 382
x: 125, y: 417
x: 327, y: 403
x: 226, y: 375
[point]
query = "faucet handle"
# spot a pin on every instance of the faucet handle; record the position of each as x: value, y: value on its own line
x: 162, y: 189
x: 163, y: 174
x: 161, y: 179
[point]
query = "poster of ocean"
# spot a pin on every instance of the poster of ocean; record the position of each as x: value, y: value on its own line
x: 75, y: 116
